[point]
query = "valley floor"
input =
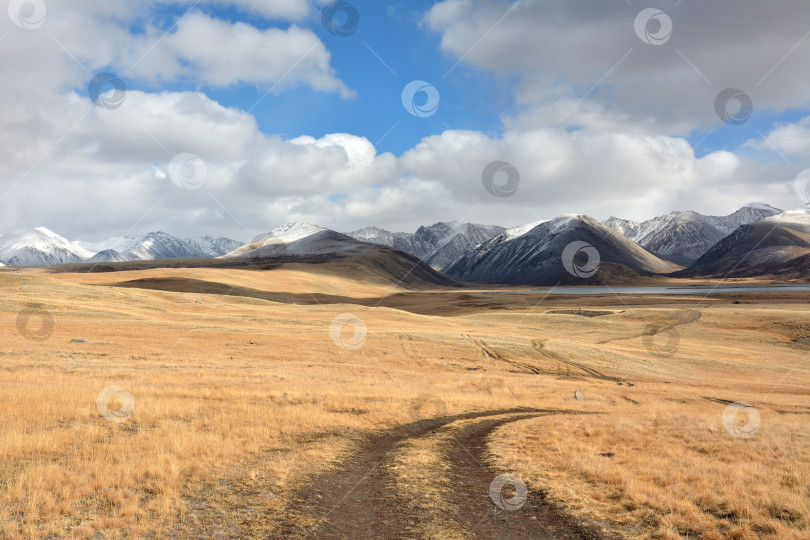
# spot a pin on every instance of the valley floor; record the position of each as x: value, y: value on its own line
x: 295, y: 402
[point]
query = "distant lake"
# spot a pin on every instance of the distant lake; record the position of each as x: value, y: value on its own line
x: 668, y: 290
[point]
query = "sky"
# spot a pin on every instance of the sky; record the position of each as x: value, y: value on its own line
x: 229, y: 117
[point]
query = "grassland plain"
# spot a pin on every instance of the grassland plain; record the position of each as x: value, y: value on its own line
x: 226, y: 408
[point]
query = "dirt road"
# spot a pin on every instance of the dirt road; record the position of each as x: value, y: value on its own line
x: 361, y: 500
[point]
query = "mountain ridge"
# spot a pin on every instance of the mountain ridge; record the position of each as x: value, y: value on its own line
x: 447, y: 237
x: 773, y: 246
x: 683, y: 237
x: 528, y: 253
x: 538, y: 256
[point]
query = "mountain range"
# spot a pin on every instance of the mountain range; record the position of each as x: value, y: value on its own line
x: 43, y: 247
x: 755, y: 240
x: 778, y: 246
x: 438, y: 244
x: 295, y: 238
x: 682, y: 237
x: 295, y: 241
x: 39, y: 247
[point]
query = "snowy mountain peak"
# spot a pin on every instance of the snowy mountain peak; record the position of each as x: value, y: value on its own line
x: 683, y: 236
x: 531, y: 254
x: 624, y: 227
x: 761, y: 206
x: 213, y: 246
x: 565, y: 220
x: 438, y: 244
x: 114, y: 243
x: 38, y: 247
x: 290, y: 231
x: 520, y: 230
x: 150, y: 246
x: 370, y: 233
x: 680, y: 237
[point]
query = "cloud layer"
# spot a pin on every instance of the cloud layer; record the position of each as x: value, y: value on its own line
x: 561, y: 49
x: 90, y: 172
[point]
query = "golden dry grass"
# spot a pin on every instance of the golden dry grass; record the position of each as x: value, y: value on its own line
x: 239, y: 394
x: 668, y: 468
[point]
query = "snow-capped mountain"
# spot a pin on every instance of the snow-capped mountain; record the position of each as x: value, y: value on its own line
x: 42, y: 247
x: 428, y: 240
x: 291, y: 231
x: 625, y: 227
x: 778, y: 245
x: 438, y: 244
x: 159, y: 245
x: 423, y: 243
x: 39, y: 247
x: 750, y: 213
x: 467, y: 237
x: 529, y: 253
x: 534, y: 255
x: 376, y: 235
x: 152, y: 246
x: 114, y: 243
x: 682, y: 237
x: 518, y: 231
x: 296, y: 241
x: 296, y: 238
x: 213, y: 246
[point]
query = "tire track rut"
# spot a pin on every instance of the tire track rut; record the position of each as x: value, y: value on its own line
x: 540, y: 346
x: 360, y: 500
x: 479, y: 517
x: 494, y: 355
x: 672, y: 322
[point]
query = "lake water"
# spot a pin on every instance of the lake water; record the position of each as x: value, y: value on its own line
x: 669, y: 290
